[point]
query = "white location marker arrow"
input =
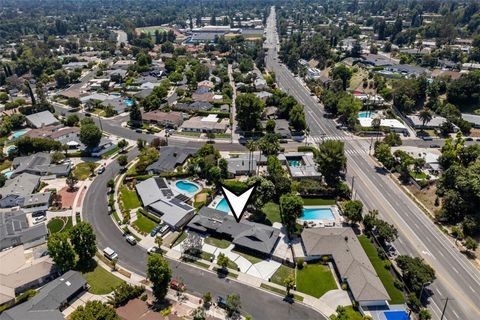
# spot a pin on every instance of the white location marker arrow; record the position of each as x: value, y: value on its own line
x: 238, y: 203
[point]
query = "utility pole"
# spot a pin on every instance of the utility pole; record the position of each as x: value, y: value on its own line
x: 444, y: 307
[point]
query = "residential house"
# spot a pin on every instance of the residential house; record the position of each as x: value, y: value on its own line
x: 473, y: 119
x: 164, y: 119
x: 14, y: 230
x: 282, y: 129
x: 205, y: 125
x: 417, y: 123
x: 50, y: 300
x: 170, y: 158
x: 40, y: 164
x: 203, y: 97
x: 41, y: 119
x: 264, y: 95
x: 313, y: 74
x: 22, y: 270
x: 260, y: 84
x: 159, y: 198
x: 255, y: 238
x: 351, y: 263
x: 392, y: 124
x: 194, y: 106
x: 375, y: 60
x: 300, y: 165
x: 241, y: 166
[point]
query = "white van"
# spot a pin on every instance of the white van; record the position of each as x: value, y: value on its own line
x: 109, y: 253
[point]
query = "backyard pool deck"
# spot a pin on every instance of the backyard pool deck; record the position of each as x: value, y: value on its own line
x: 337, y: 220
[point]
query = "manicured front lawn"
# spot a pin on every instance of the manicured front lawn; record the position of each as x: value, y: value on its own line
x: 101, y: 281
x: 281, y: 274
x: 318, y: 202
x: 110, y: 152
x: 62, y: 224
x: 83, y: 170
x: 315, y: 280
x: 191, y: 134
x: 5, y: 165
x: 418, y: 175
x: 219, y: 243
x: 143, y: 223
x: 250, y: 258
x: 396, y: 296
x: 129, y: 198
x: 272, y: 211
x: 280, y: 291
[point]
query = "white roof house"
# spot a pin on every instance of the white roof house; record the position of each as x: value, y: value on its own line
x: 392, y: 124
x: 41, y: 119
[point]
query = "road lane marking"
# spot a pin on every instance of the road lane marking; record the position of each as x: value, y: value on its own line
x: 453, y: 268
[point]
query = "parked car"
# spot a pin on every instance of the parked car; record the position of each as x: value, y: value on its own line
x: 468, y: 139
x: 109, y: 253
x: 221, y: 302
x: 155, y: 230
x: 427, y: 138
x: 435, y: 146
x: 88, y: 114
x: 138, y: 130
x: 164, y: 229
x: 101, y: 170
x: 154, y: 249
x: 177, y: 285
x: 39, y: 219
x: 130, y: 239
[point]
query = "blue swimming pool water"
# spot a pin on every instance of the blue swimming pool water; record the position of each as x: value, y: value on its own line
x: 396, y: 315
x: 366, y: 114
x: 186, y: 186
x: 294, y: 163
x: 222, y: 205
x: 317, y: 214
x: 128, y: 102
x: 19, y: 133
x: 8, y: 174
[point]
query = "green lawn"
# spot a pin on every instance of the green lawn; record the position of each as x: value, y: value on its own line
x: 396, y: 296
x: 419, y: 176
x: 318, y: 202
x: 190, y: 134
x: 59, y: 224
x: 315, y: 280
x: 5, y: 165
x: 101, y: 281
x: 82, y: 170
x: 143, y: 223
x: 219, y: 243
x: 272, y: 211
x: 110, y: 152
x: 207, y: 256
x: 250, y: 258
x: 280, y: 291
x: 281, y: 274
x: 129, y: 198
x: 182, y: 237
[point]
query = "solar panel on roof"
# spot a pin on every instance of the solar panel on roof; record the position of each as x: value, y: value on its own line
x: 167, y: 192
x: 182, y: 197
x: 180, y: 204
x: 161, y: 183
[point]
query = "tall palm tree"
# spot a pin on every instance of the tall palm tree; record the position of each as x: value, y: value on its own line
x: 376, y: 126
x: 251, y: 146
x: 425, y: 115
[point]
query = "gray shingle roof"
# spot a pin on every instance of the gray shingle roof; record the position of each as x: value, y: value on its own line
x: 14, y: 229
x: 171, y: 157
x: 350, y: 259
x: 23, y: 185
x: 251, y: 235
x: 39, y: 164
x: 48, y: 301
x: 41, y: 119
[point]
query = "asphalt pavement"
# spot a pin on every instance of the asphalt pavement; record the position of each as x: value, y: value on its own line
x: 457, y: 277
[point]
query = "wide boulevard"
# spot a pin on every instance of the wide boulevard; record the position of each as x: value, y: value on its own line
x: 457, y: 278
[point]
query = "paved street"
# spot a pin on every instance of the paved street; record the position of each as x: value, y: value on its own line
x: 457, y: 278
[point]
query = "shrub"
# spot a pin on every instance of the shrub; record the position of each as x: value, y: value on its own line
x: 387, y: 264
x: 300, y: 263
x: 398, y: 284
x: 344, y: 286
x: 25, y: 296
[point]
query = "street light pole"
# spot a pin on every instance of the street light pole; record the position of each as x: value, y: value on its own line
x: 444, y: 307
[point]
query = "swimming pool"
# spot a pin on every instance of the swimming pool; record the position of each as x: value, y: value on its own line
x: 222, y: 205
x: 367, y: 114
x: 294, y: 163
x: 19, y: 133
x: 396, y: 315
x: 187, y: 186
x: 128, y: 102
x: 317, y: 214
x: 8, y: 174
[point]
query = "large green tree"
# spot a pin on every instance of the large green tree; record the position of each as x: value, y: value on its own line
x: 415, y: 272
x: 249, y: 111
x: 160, y: 274
x: 94, y: 310
x: 291, y: 208
x: 90, y: 135
x: 331, y: 160
x: 83, y: 241
x: 61, y: 251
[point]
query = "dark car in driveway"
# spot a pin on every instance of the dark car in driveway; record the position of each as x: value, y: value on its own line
x: 155, y: 230
x: 221, y: 302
